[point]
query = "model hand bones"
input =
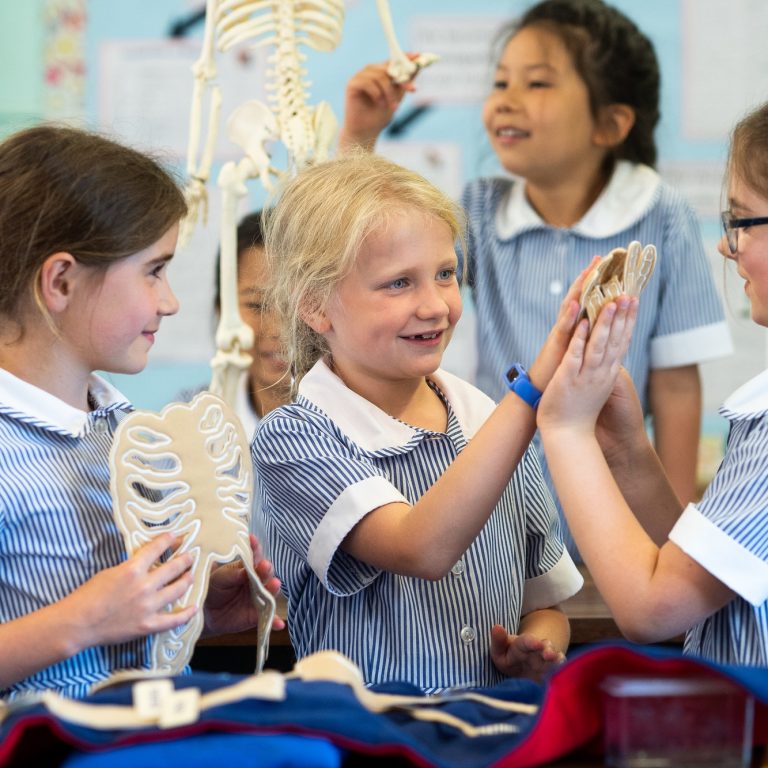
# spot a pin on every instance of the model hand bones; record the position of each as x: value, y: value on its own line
x: 401, y: 68
x: 623, y: 270
x: 188, y: 471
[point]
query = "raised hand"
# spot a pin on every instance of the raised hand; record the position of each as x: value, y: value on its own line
x: 583, y: 382
x: 370, y: 100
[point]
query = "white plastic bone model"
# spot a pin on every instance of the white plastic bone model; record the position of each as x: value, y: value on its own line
x: 401, y: 68
x: 623, y: 270
x: 198, y: 488
x: 307, y: 133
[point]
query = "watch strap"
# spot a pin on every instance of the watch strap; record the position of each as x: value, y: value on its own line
x: 519, y: 382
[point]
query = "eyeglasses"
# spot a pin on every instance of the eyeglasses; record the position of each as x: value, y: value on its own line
x: 732, y: 226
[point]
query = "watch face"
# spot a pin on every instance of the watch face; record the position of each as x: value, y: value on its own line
x: 513, y: 373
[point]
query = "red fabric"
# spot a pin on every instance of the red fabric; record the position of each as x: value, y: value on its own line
x: 571, y: 716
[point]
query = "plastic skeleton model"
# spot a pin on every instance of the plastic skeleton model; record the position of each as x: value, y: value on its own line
x: 306, y: 132
x: 401, y: 67
x: 198, y: 489
x: 623, y: 270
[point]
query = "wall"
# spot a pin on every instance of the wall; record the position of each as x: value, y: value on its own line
x: 137, y: 83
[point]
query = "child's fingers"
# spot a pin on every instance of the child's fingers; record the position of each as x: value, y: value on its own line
x: 499, y: 640
x: 616, y: 330
x: 166, y: 620
x: 574, y: 358
x: 149, y: 554
x: 611, y: 336
x: 374, y: 83
x: 173, y: 590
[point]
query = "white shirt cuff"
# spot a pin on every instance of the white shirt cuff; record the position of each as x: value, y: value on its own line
x: 554, y: 586
x: 351, y: 506
x: 713, y: 549
x: 694, y: 346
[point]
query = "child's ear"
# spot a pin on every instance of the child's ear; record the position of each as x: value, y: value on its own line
x: 316, y: 319
x: 614, y: 122
x: 56, y: 280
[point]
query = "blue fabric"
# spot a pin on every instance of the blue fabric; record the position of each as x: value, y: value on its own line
x: 569, y: 718
x: 245, y: 750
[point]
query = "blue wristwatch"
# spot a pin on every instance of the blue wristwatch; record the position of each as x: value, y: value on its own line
x: 520, y: 383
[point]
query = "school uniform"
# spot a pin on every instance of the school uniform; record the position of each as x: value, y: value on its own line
x: 727, y: 533
x: 56, y: 524
x: 329, y: 459
x: 520, y: 268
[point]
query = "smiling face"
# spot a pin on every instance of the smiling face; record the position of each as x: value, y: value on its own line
x: 112, y: 325
x: 751, y: 258
x: 268, y: 370
x: 538, y: 116
x: 393, y: 315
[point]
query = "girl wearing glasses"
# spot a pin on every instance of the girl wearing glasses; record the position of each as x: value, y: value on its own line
x: 702, y: 569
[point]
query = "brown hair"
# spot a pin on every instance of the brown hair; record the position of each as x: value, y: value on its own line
x: 317, y: 227
x: 68, y: 190
x: 748, y: 156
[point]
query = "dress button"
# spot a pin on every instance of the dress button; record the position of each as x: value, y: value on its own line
x: 467, y: 635
x: 458, y: 569
x: 100, y: 426
x: 556, y: 287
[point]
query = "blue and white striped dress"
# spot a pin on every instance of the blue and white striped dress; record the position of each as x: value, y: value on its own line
x: 56, y: 524
x: 727, y: 533
x: 520, y: 268
x: 325, y: 462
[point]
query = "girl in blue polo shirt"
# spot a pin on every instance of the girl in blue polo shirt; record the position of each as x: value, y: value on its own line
x: 87, y: 229
x: 406, y: 517
x: 571, y: 114
x: 703, y: 569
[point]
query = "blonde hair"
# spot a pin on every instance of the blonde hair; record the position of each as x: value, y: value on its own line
x: 317, y: 227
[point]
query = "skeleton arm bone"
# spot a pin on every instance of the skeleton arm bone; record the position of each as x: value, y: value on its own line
x: 204, y: 71
x: 401, y: 68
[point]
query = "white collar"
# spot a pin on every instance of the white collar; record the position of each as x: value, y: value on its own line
x: 19, y: 395
x: 627, y: 196
x: 749, y: 400
x: 373, y: 429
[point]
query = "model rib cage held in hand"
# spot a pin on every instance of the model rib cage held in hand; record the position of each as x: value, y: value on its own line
x: 198, y: 489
